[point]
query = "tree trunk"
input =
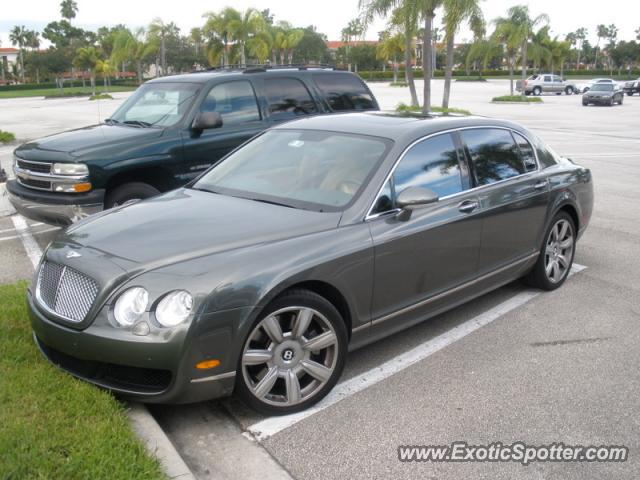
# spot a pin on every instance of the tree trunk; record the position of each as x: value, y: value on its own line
x: 105, y: 83
x: 282, y: 53
x: 22, y: 66
x: 524, y: 66
x: 274, y: 60
x: 139, y: 70
x: 243, y: 58
x: 395, y: 69
x: 408, y: 68
x: 426, y: 61
x: 448, y: 72
x: 511, y: 60
x: 578, y: 62
x: 93, y: 84
x: 163, y: 56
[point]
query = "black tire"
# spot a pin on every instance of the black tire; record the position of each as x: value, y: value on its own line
x: 586, y: 89
x: 621, y: 100
x: 527, y: 93
x: 630, y: 94
x: 568, y: 90
x: 585, y: 104
x: 293, y: 299
x: 127, y: 192
x: 537, y: 91
x: 538, y: 276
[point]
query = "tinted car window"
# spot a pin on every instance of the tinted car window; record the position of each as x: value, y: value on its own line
x: 546, y: 156
x: 288, y: 98
x: 344, y: 92
x: 526, y: 152
x: 547, y: 78
x: 432, y: 163
x: 494, y: 154
x: 235, y: 101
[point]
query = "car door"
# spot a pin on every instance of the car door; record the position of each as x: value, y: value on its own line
x: 236, y: 102
x: 558, y: 84
x: 513, y: 195
x: 437, y: 247
x: 547, y: 83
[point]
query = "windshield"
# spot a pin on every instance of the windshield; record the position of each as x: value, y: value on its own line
x: 156, y: 104
x: 602, y: 87
x: 309, y: 169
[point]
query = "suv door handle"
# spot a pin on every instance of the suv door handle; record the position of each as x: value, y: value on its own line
x: 540, y: 185
x: 468, y: 206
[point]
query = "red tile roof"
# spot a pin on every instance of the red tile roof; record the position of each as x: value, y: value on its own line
x: 9, y: 50
x: 335, y: 44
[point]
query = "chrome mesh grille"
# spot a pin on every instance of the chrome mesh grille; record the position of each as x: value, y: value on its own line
x: 65, y: 291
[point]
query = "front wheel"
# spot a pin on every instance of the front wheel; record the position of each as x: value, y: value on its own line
x: 537, y: 91
x: 556, y: 256
x: 128, y: 192
x: 293, y: 355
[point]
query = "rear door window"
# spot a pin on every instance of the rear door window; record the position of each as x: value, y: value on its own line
x: 526, y: 152
x: 234, y: 101
x: 288, y: 98
x: 547, y: 78
x: 493, y: 153
x: 344, y: 91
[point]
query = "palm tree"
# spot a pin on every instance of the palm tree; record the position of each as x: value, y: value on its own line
x: 405, y: 15
x: 195, y: 35
x: 132, y: 47
x: 106, y: 68
x: 259, y: 46
x: 521, y: 26
x: 19, y: 36
x: 32, y: 40
x: 218, y: 34
x: 86, y: 59
x: 539, y: 48
x: 457, y: 12
x: 580, y: 36
x: 243, y: 26
x: 390, y: 48
x: 506, y: 35
x: 601, y: 32
x: 161, y: 31
x: 292, y: 39
x: 68, y: 9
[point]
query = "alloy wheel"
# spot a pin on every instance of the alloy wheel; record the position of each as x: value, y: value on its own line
x: 559, y: 251
x: 289, y: 356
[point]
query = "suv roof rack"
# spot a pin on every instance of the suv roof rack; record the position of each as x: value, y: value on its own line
x: 258, y: 68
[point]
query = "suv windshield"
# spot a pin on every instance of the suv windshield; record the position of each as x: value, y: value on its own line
x: 602, y: 87
x: 157, y: 104
x: 308, y: 169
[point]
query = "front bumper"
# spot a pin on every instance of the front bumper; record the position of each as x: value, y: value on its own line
x: 143, y: 369
x: 54, y: 208
x: 598, y: 101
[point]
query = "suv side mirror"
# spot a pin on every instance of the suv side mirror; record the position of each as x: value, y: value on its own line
x: 414, y: 197
x: 206, y: 120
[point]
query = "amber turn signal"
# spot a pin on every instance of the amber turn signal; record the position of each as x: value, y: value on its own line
x: 82, y: 187
x: 207, y: 364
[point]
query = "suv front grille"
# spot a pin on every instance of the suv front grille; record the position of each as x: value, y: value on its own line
x: 30, y: 182
x: 35, y: 167
x: 65, y: 291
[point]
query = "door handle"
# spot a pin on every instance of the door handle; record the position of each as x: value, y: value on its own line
x: 540, y: 185
x: 468, y: 206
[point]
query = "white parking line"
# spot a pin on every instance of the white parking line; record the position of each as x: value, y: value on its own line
x: 272, y: 425
x: 34, y: 252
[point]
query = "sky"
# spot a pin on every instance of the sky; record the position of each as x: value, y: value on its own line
x: 329, y: 16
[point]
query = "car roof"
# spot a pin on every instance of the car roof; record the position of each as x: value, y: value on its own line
x: 208, y: 75
x: 400, y: 127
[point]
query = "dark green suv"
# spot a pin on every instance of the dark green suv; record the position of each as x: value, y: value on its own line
x: 167, y: 133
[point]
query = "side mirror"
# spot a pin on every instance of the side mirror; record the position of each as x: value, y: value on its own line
x: 414, y: 197
x: 206, y: 120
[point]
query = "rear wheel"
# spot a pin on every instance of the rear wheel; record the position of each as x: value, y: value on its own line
x: 621, y: 99
x: 293, y: 355
x: 568, y: 90
x: 128, y: 192
x: 585, y: 103
x: 556, y: 255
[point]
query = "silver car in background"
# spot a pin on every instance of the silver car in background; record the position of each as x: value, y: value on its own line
x: 585, y: 87
x: 540, y: 83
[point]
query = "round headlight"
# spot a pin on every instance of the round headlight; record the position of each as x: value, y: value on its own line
x: 174, y: 308
x: 130, y: 306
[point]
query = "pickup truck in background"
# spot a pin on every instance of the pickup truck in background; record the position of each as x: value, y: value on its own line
x: 540, y: 83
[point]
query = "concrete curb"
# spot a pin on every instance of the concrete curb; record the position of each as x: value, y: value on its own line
x: 157, y: 442
x: 517, y: 103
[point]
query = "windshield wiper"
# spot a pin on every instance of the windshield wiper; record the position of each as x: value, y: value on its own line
x: 110, y: 121
x: 200, y: 189
x: 138, y: 123
x: 271, y: 202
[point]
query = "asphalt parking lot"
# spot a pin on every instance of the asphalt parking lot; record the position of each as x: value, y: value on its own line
x: 514, y: 365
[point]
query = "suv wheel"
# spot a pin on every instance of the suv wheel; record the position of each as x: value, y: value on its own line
x: 568, y: 90
x: 556, y: 255
x: 537, y: 91
x: 127, y: 192
x: 293, y: 354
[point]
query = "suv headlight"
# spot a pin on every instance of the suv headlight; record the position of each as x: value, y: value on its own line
x: 70, y: 169
x: 174, y: 308
x: 130, y: 306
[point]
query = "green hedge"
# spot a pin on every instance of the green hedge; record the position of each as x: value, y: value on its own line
x: 388, y: 75
x: 67, y: 83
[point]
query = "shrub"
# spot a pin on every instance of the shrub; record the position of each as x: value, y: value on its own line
x: 101, y: 96
x: 404, y: 108
x: 517, y: 98
x: 6, y: 137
